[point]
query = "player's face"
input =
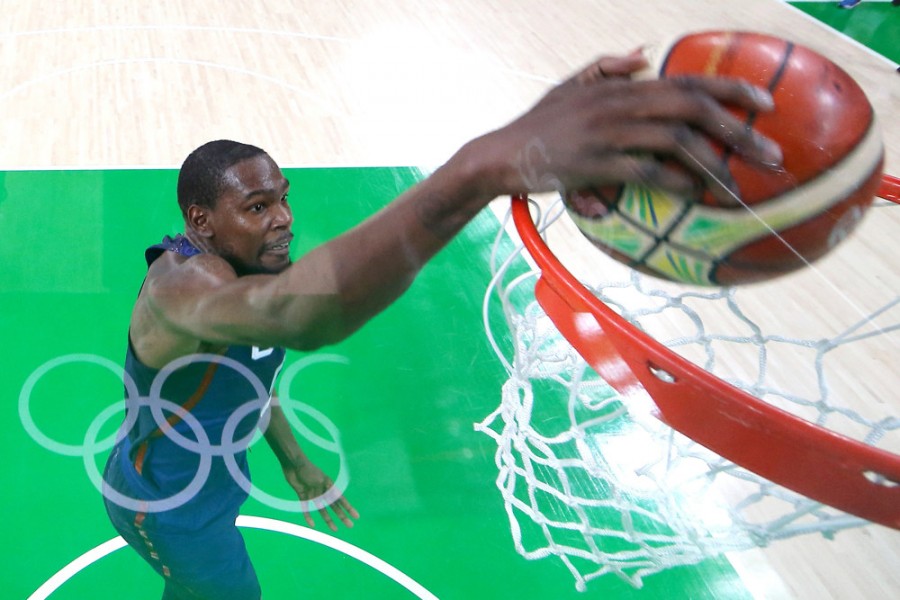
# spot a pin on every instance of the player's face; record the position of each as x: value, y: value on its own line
x: 252, y: 219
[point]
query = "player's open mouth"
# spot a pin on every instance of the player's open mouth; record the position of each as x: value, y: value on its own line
x: 281, y: 247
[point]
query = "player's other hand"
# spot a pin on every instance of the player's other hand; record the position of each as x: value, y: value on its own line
x: 316, y: 492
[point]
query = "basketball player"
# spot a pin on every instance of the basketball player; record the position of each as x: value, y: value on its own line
x: 226, y: 288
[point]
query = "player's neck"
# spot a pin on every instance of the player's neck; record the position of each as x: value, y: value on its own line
x: 198, y: 241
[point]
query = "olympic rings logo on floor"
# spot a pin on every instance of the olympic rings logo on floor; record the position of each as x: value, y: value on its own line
x: 201, y: 445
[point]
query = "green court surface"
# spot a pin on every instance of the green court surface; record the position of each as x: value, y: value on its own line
x: 874, y: 24
x: 403, y: 394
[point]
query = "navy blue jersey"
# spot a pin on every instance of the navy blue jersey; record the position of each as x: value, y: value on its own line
x: 221, y: 394
x: 176, y: 479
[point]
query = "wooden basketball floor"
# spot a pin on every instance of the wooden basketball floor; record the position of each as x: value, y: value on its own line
x: 99, y: 104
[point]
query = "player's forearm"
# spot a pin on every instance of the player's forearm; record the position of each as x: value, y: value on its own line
x: 336, y: 288
x: 281, y: 438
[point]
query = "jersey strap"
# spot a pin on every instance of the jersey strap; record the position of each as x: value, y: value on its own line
x: 178, y: 244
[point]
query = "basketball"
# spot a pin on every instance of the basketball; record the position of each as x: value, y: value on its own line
x: 786, y: 218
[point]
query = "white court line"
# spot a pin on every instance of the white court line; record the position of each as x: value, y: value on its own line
x: 323, y: 103
x: 74, y: 567
x: 175, y: 28
x: 95, y: 554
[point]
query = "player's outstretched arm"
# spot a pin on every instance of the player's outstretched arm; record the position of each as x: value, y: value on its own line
x: 590, y: 130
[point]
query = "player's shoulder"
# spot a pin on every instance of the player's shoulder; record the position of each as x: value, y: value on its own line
x: 175, y: 286
x: 206, y: 268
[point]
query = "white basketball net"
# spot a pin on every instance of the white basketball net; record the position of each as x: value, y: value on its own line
x: 605, y: 486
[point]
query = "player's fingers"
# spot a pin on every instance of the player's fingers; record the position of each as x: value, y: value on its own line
x: 698, y: 102
x: 730, y: 91
x: 646, y: 153
x: 723, y: 126
x: 658, y: 138
x: 608, y: 67
x: 627, y: 65
x: 326, y: 516
x: 348, y: 508
x: 341, y: 514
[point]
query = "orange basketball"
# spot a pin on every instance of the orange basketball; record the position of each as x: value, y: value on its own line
x: 832, y: 168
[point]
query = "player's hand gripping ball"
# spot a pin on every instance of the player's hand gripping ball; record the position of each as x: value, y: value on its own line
x: 785, y: 218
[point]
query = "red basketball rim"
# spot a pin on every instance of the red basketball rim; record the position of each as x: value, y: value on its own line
x: 890, y: 189
x: 820, y: 464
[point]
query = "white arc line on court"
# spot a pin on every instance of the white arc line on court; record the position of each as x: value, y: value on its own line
x: 341, y: 546
x: 95, y: 554
x: 74, y: 567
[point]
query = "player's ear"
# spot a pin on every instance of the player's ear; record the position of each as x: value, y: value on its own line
x: 198, y: 219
